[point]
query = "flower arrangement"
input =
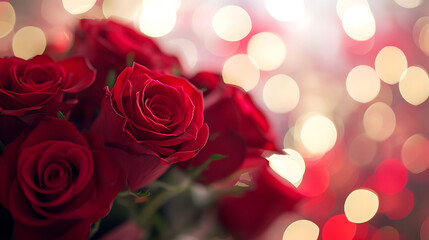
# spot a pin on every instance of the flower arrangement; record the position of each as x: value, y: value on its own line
x: 114, y: 142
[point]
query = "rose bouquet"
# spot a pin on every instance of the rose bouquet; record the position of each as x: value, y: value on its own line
x: 114, y: 142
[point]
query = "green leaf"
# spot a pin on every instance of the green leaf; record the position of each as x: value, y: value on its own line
x: 130, y: 59
x: 144, y: 194
x: 111, y: 79
x: 94, y: 229
x: 60, y: 115
x: 196, y: 172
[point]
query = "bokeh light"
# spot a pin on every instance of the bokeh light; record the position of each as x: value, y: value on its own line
x: 379, y: 121
x: 424, y: 230
x: 268, y: 50
x: 318, y: 134
x: 390, y: 64
x: 361, y: 205
x: 232, y: 23
x: 315, y: 181
x: 7, y: 18
x: 409, y: 3
x: 391, y: 176
x: 386, y: 233
x: 157, y: 18
x: 363, y: 84
x: 414, y: 85
x: 290, y: 167
x: 241, y: 70
x: 281, y: 93
x: 338, y: 228
x: 355, y: 152
x: 358, y: 22
x: 185, y: 50
x: 28, y: 42
x: 415, y: 153
x: 397, y: 206
x: 285, y: 10
x: 301, y: 230
x: 78, y: 6
x: 117, y: 9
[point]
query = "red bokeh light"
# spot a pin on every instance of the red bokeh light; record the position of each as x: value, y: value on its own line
x: 338, y: 228
x: 391, y: 176
x: 397, y: 206
x: 315, y: 181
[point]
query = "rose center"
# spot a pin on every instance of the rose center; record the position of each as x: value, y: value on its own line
x: 56, y: 175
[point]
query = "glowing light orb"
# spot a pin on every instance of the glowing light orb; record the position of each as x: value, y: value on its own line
x: 241, y: 70
x: 281, y: 93
x: 391, y: 176
x: 157, y: 19
x: 358, y: 22
x: 285, y: 10
x: 414, y: 85
x: 318, y: 134
x: 414, y: 153
x: 361, y: 205
x: 268, y: 50
x: 117, y: 8
x: 7, y: 18
x: 232, y: 23
x: 409, y: 3
x: 390, y: 64
x: 301, y: 230
x: 289, y: 167
x: 338, y: 228
x: 363, y: 84
x: 78, y: 6
x: 379, y: 121
x: 185, y: 50
x: 28, y: 42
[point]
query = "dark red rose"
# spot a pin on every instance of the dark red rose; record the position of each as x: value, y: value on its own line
x: 109, y: 45
x: 38, y: 86
x: 156, y: 116
x: 57, y: 182
x: 248, y: 215
x: 237, y: 127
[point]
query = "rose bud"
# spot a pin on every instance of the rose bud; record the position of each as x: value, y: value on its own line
x: 56, y: 182
x: 109, y: 45
x: 237, y: 128
x: 37, y: 87
x: 153, y: 120
x: 248, y: 215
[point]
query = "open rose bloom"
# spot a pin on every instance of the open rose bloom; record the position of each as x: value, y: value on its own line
x: 97, y: 146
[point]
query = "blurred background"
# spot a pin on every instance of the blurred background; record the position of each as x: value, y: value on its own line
x: 344, y: 84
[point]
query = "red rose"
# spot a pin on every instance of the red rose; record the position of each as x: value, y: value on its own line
x: 57, y: 182
x: 109, y: 45
x: 247, y: 216
x: 155, y: 116
x: 237, y: 127
x: 38, y: 86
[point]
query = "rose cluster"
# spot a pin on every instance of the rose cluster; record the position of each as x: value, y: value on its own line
x: 115, y: 117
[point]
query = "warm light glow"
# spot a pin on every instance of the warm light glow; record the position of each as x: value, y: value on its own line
x: 363, y: 84
x: 414, y: 153
x: 343, y: 5
x: 117, y: 9
x: 7, y: 18
x: 318, y: 134
x: 379, y: 121
x: 356, y: 154
x: 157, y: 19
x: 358, y: 22
x: 28, y: 42
x: 390, y: 63
x: 185, y: 50
x: 78, y: 6
x: 409, y: 3
x: 291, y: 168
x: 241, y: 70
x: 232, y: 23
x: 421, y: 34
x: 414, y: 85
x: 281, y: 93
x: 268, y: 50
x: 301, y: 230
x: 361, y: 205
x: 285, y: 10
